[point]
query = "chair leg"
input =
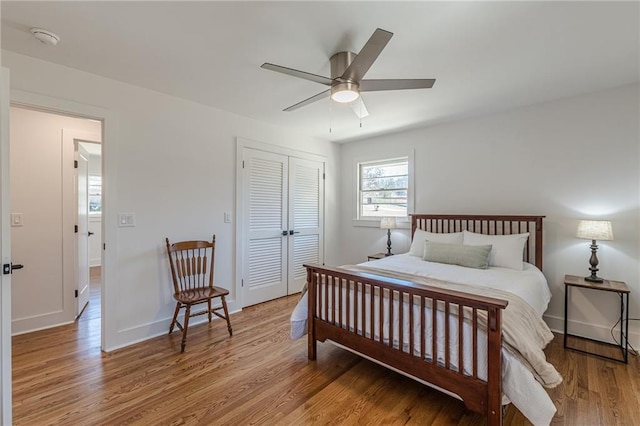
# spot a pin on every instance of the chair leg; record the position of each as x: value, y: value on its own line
x: 175, y: 318
x: 209, y: 311
x: 226, y: 315
x: 186, y: 326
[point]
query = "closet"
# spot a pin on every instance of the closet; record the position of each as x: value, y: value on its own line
x: 281, y: 214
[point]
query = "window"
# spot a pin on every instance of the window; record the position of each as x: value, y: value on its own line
x: 383, y: 188
x: 95, y: 194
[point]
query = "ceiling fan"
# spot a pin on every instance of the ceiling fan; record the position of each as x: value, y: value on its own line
x: 347, y: 73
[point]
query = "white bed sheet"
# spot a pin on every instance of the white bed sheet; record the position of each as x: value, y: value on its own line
x: 519, y: 384
x: 530, y: 283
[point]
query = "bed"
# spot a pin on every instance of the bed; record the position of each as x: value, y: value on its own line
x: 474, y: 333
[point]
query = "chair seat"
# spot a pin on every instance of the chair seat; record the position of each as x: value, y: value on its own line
x: 201, y: 294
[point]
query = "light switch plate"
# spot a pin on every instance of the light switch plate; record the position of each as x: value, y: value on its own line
x: 126, y: 220
x: 227, y: 217
x: 17, y: 219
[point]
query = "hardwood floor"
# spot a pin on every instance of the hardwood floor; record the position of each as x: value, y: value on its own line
x: 260, y: 376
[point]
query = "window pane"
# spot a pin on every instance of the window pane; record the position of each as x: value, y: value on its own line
x: 393, y: 182
x: 95, y: 194
x: 384, y: 188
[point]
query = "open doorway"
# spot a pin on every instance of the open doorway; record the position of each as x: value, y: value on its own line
x: 44, y: 216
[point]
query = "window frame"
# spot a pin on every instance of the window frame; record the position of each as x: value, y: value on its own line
x: 373, y: 221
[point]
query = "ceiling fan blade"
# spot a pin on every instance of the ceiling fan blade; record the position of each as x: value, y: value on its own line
x: 359, y: 108
x: 297, y: 73
x: 367, y: 56
x: 312, y: 99
x: 399, y: 84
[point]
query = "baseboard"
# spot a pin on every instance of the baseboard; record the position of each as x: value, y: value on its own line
x: 592, y: 331
x: 131, y: 336
x: 37, y: 328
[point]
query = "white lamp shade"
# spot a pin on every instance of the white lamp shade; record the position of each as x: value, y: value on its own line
x: 388, y: 223
x: 595, y: 230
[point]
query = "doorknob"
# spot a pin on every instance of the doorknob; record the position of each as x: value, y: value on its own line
x: 8, y: 268
x: 90, y: 233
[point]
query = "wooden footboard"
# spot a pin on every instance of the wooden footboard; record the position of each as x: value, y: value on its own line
x: 416, y: 329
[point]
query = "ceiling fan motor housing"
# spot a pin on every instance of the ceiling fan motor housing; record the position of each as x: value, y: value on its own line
x: 340, y: 62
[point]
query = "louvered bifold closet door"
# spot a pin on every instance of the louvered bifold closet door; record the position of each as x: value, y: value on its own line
x: 306, y: 195
x: 265, y: 248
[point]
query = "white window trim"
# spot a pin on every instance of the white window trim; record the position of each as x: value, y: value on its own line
x: 402, y: 222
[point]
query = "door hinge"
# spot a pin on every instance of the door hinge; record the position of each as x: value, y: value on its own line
x: 104, y: 246
x: 243, y: 164
x: 75, y: 228
x: 75, y: 164
x: 76, y: 293
x: 241, y: 283
x: 324, y: 176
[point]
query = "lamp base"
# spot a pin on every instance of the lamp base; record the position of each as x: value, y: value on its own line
x: 593, y: 261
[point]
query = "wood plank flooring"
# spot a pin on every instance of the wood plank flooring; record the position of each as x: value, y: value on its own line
x: 259, y: 376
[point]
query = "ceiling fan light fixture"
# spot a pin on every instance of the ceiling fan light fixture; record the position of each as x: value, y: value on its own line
x: 345, y: 92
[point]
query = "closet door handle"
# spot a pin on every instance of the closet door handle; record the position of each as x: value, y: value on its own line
x: 293, y: 232
x: 285, y: 233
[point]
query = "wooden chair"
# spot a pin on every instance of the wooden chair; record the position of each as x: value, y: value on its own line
x: 193, y: 282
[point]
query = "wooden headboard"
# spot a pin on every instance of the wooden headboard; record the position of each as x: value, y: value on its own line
x: 486, y: 224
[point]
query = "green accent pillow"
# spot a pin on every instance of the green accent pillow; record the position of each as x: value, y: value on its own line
x: 457, y: 254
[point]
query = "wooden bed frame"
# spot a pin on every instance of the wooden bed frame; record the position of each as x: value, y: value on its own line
x: 355, y: 291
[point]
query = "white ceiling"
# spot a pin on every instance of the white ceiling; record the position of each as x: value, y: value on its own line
x: 485, y: 56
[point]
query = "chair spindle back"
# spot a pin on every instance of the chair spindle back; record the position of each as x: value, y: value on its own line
x: 192, y: 264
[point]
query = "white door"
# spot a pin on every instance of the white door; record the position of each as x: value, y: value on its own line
x: 5, y: 254
x: 82, y: 188
x: 306, y: 230
x: 265, y: 219
x: 282, y: 221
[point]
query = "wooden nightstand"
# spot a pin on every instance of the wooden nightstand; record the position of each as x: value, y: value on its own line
x: 618, y: 287
x: 376, y: 256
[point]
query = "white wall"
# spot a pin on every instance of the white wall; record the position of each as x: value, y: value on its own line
x: 569, y: 159
x: 172, y: 163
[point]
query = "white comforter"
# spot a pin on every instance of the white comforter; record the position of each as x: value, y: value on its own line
x: 519, y: 385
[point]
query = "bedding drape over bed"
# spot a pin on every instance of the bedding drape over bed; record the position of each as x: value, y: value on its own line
x: 523, y: 357
x: 524, y: 333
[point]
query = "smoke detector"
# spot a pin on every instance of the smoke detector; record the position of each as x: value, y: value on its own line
x: 45, y: 36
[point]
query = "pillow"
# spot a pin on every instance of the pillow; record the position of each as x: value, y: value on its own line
x: 507, y: 250
x: 420, y: 236
x: 457, y: 254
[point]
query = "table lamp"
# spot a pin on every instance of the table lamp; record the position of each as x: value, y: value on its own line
x: 388, y: 223
x: 595, y: 230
